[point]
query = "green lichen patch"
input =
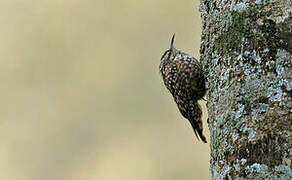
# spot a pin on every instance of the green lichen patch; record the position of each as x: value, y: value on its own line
x: 253, y: 30
x: 240, y: 28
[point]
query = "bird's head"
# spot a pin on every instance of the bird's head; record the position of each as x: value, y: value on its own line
x: 170, y: 53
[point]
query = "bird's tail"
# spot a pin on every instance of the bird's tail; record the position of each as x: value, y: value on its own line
x: 198, y: 130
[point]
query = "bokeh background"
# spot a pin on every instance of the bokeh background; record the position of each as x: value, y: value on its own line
x: 80, y: 93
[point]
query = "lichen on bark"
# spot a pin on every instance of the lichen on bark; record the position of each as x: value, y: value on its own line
x: 246, y: 51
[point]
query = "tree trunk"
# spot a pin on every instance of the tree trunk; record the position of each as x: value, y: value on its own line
x: 246, y: 51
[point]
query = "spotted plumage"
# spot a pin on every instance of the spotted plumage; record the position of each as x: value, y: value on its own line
x: 183, y: 76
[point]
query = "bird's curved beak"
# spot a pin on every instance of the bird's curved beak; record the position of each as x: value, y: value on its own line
x: 172, y: 42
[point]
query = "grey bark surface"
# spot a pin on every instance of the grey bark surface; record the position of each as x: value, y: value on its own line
x: 246, y: 52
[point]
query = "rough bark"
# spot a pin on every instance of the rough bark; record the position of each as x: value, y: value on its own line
x: 246, y: 51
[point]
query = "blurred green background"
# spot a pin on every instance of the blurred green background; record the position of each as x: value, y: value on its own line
x: 81, y: 96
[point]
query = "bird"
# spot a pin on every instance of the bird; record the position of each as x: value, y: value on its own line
x: 183, y: 76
